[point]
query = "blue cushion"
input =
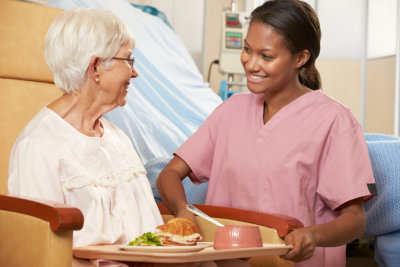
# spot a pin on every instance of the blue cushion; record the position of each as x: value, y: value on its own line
x: 387, y: 249
x: 383, y: 211
x: 195, y: 194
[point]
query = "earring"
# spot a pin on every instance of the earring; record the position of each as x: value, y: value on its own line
x: 97, y: 80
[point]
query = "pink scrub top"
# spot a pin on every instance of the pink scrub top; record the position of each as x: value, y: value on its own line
x: 306, y: 161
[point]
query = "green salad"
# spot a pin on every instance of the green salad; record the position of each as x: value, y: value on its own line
x: 147, y: 239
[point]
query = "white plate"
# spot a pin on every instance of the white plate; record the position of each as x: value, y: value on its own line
x: 167, y: 249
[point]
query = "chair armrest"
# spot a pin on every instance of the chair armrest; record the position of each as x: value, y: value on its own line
x: 60, y: 216
x: 282, y: 223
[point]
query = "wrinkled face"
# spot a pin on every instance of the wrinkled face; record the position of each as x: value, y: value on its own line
x: 267, y: 62
x: 115, y: 79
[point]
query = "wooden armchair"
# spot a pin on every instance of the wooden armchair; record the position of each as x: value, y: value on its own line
x: 40, y: 233
x: 36, y: 233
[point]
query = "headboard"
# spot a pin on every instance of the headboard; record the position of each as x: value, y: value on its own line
x: 26, y: 83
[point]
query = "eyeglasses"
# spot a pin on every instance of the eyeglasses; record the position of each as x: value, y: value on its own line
x: 130, y: 61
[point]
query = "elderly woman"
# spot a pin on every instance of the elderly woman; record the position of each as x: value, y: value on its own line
x: 68, y: 152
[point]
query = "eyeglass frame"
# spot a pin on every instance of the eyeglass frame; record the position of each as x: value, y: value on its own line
x: 131, y: 61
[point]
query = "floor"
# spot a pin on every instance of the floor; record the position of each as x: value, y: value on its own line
x: 360, y: 253
x: 361, y: 262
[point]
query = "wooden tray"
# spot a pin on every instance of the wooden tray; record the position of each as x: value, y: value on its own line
x: 114, y: 252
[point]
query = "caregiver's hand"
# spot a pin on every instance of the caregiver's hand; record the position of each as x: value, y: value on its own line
x: 303, y: 245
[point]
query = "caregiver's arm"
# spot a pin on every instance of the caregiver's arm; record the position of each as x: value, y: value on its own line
x: 349, y: 225
x: 170, y: 186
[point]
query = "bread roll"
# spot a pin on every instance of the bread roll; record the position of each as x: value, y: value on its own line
x: 178, y: 232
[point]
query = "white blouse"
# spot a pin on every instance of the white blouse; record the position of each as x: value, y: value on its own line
x: 102, y: 176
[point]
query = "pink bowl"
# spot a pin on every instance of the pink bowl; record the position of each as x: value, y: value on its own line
x: 237, y: 236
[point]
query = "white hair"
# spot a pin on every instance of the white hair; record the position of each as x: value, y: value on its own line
x: 75, y: 36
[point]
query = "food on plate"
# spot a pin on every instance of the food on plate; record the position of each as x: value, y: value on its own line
x: 146, y: 239
x: 176, y: 232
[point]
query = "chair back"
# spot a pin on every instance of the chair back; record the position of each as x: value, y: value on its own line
x: 26, y: 83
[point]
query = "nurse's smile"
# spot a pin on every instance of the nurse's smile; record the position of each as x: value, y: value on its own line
x: 255, y: 78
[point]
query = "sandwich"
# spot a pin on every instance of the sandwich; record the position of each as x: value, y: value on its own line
x: 178, y: 232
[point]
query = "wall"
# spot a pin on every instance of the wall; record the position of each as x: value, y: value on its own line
x: 341, y: 79
x: 187, y: 19
x: 342, y: 28
x: 380, y: 95
x: 382, y: 33
x: 365, y: 31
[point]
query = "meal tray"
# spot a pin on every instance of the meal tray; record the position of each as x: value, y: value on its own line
x: 115, y: 252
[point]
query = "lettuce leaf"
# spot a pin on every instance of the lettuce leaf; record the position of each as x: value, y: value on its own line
x: 146, y: 239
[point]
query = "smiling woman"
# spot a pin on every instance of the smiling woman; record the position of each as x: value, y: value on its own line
x: 285, y: 147
x: 68, y: 152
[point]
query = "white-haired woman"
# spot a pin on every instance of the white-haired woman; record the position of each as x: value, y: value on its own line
x: 68, y: 152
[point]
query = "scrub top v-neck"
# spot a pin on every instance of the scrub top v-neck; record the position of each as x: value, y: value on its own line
x: 262, y: 129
